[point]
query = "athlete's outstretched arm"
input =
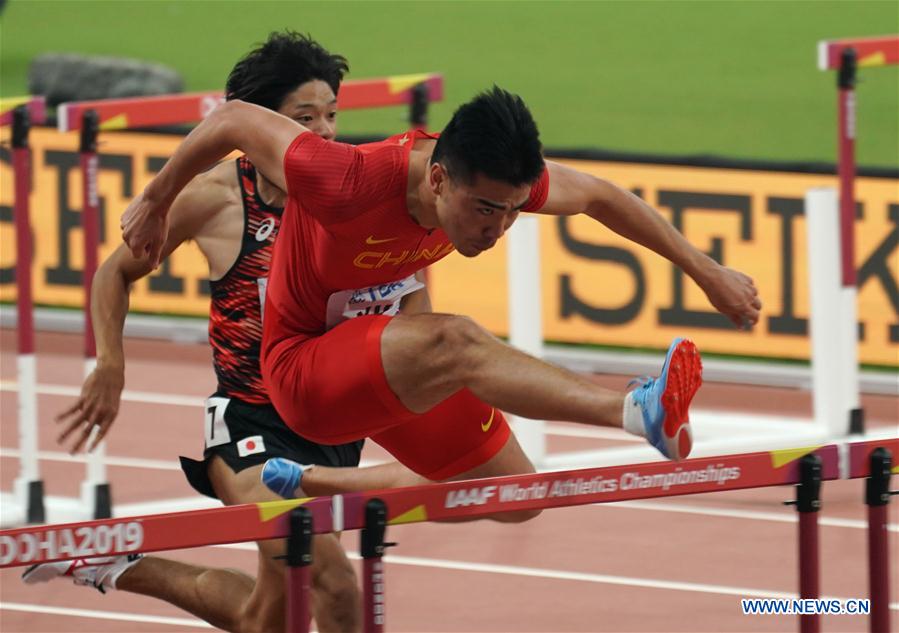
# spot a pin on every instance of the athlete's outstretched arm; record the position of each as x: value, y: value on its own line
x: 98, y: 403
x: 260, y: 133
x: 570, y: 191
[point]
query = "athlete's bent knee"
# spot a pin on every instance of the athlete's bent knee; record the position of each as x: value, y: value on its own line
x: 460, y: 338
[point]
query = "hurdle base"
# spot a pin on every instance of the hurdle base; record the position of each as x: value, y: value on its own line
x: 857, y: 421
x: 102, y: 502
x: 57, y: 510
x: 97, y: 499
x: 26, y: 503
x: 35, y: 512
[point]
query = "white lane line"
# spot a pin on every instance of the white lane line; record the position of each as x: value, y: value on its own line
x: 128, y: 462
x: 148, y: 397
x: 102, y: 615
x: 753, y: 515
x: 125, y: 462
x: 555, y: 574
x: 586, y: 432
x: 151, y: 397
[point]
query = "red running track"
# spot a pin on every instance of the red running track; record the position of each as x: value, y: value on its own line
x: 665, y: 565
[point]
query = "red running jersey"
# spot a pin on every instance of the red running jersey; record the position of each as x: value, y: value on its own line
x: 348, y: 245
x: 235, y: 314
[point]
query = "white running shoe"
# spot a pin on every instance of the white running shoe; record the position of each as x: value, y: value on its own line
x: 100, y: 572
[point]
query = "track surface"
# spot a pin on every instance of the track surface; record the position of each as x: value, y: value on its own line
x: 677, y: 564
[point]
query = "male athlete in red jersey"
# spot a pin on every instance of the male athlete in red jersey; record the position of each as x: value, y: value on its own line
x: 360, y: 220
x: 233, y: 213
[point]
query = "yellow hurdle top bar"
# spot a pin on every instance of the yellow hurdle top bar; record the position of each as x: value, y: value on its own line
x: 37, y: 109
x: 117, y: 114
x: 870, y: 51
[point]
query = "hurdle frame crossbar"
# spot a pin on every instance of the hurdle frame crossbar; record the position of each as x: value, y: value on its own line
x: 27, y: 502
x: 35, y: 105
x: 414, y: 90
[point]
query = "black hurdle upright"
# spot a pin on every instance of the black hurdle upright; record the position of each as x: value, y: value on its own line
x: 877, y: 498
x: 808, y: 503
x: 299, y: 573
x: 418, y: 106
x: 371, y: 548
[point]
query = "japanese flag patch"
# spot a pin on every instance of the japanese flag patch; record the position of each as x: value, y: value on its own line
x: 250, y: 446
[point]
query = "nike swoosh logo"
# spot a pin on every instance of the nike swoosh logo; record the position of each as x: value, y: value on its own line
x: 485, y: 426
x: 371, y: 240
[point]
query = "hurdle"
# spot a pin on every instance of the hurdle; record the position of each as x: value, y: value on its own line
x: 28, y: 487
x: 415, y: 91
x: 836, y: 396
x: 27, y: 502
x: 371, y: 512
x: 833, y: 319
x: 35, y: 105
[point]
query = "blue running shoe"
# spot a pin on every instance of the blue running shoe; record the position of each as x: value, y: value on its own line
x: 665, y: 401
x: 282, y: 476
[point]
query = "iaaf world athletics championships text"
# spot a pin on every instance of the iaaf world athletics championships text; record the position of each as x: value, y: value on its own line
x: 596, y: 485
x: 628, y: 481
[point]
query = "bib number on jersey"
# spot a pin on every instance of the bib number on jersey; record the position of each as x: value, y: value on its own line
x: 216, y: 429
x: 262, y: 285
x: 383, y: 299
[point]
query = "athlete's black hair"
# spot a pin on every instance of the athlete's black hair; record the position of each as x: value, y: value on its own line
x: 495, y: 135
x: 267, y: 74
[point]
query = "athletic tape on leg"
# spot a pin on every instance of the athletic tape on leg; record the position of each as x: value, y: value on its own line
x: 282, y: 476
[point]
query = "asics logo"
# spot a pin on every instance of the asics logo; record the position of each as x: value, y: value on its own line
x: 265, y: 229
x: 485, y: 426
x: 371, y: 240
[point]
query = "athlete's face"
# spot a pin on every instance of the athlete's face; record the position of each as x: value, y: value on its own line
x: 474, y: 216
x: 314, y: 105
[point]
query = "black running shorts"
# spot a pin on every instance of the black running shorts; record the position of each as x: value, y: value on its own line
x: 246, y: 435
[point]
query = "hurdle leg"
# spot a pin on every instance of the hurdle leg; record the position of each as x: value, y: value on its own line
x: 95, y: 491
x: 372, y: 550
x: 420, y: 98
x: 808, y: 502
x: 28, y: 487
x: 525, y: 321
x: 299, y: 572
x: 848, y: 342
x: 877, y: 498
